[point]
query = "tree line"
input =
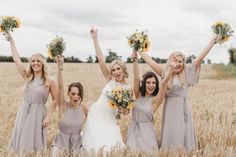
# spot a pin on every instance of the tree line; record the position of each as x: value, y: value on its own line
x: 112, y: 55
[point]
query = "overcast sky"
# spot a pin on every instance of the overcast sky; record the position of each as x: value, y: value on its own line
x: 182, y: 25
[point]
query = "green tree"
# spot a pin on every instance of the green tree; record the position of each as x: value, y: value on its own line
x: 232, y: 55
x: 89, y: 59
x: 10, y: 59
x: 129, y: 60
x: 190, y: 59
x: 96, y: 59
x: 208, y: 61
x: 111, y: 56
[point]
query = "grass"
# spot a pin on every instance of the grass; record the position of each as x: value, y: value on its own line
x: 213, y: 105
x: 223, y: 72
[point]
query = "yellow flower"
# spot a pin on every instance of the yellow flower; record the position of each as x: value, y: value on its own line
x: 130, y: 42
x: 219, y: 24
x: 17, y: 21
x: 49, y: 54
x: 130, y: 106
x: 112, y: 105
x: 226, y: 38
x: 5, y: 17
x: 146, y: 46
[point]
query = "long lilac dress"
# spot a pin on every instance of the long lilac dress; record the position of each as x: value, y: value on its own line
x: 28, y: 133
x: 177, y: 120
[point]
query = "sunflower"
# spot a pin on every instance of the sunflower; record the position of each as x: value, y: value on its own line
x: 5, y: 17
x: 146, y: 46
x: 226, y: 38
x: 18, y: 23
x: 112, y: 105
x: 224, y: 30
x: 130, y: 106
x: 49, y: 54
x: 130, y: 42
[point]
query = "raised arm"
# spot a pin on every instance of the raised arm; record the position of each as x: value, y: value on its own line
x: 15, y: 55
x: 206, y: 50
x: 99, y: 54
x: 136, y: 84
x: 158, y: 99
x: 60, y: 82
x: 154, y: 65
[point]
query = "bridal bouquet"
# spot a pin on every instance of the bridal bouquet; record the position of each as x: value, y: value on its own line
x: 224, y: 30
x: 9, y: 23
x: 120, y: 99
x: 139, y: 41
x: 56, y: 47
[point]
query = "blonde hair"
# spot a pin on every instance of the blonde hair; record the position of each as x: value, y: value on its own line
x: 30, y: 73
x: 180, y: 75
x: 120, y: 63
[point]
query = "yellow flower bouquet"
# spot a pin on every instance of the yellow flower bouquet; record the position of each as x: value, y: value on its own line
x: 224, y: 30
x: 8, y: 24
x: 121, y: 100
x: 56, y: 47
x: 139, y: 41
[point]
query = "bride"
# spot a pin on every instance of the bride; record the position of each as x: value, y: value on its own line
x: 101, y: 129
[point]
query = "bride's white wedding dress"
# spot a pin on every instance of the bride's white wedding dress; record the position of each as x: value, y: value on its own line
x: 101, y: 129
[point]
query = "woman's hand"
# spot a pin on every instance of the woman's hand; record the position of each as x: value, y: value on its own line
x: 172, y: 68
x: 60, y: 60
x: 46, y: 121
x: 134, y: 55
x: 217, y: 39
x: 124, y: 111
x: 8, y: 36
x: 93, y: 32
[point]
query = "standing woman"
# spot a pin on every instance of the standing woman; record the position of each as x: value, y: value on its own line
x: 71, y: 115
x: 177, y: 121
x: 149, y: 96
x: 32, y: 118
x: 101, y: 129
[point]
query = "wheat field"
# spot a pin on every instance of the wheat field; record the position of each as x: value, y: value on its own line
x: 213, y: 103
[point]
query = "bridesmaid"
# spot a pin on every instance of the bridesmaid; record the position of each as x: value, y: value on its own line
x: 177, y: 121
x: 71, y: 115
x: 31, y: 120
x: 149, y: 97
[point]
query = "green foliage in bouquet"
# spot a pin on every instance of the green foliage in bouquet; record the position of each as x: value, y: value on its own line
x: 56, y: 47
x: 139, y: 41
x: 9, y: 23
x: 121, y: 99
x: 224, y: 30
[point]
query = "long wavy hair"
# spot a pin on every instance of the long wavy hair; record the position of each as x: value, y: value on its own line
x: 180, y: 75
x: 30, y: 73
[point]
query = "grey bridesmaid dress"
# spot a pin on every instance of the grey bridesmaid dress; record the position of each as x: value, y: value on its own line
x: 141, y: 133
x: 69, y: 137
x: 177, y: 120
x: 28, y: 133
